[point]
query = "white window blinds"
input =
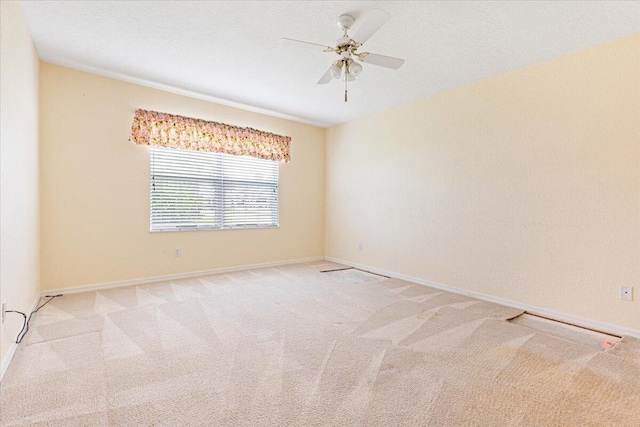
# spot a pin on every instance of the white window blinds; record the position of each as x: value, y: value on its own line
x: 194, y: 190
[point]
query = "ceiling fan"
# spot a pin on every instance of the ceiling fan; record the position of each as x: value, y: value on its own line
x: 347, y: 48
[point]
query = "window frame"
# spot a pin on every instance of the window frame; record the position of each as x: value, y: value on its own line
x: 218, y: 225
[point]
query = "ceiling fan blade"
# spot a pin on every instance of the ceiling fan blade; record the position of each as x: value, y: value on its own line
x: 369, y: 24
x: 326, y: 78
x: 300, y: 43
x: 381, y: 60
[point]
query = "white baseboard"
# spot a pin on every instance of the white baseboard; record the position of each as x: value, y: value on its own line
x: 551, y: 314
x: 6, y: 360
x: 154, y: 279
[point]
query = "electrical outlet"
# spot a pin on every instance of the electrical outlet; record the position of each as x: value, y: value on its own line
x: 360, y: 247
x: 177, y: 252
x: 4, y: 309
x: 626, y: 293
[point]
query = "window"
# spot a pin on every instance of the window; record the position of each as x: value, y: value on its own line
x: 193, y: 190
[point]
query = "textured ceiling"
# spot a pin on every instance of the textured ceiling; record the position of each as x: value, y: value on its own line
x: 228, y: 52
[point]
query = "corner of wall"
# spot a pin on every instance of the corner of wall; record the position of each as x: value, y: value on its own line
x: 20, y: 217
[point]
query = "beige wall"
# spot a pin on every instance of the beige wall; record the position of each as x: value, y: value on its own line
x: 95, y: 188
x: 525, y: 186
x: 19, y: 211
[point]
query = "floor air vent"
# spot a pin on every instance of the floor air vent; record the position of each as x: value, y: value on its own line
x: 352, y: 275
x: 595, y: 339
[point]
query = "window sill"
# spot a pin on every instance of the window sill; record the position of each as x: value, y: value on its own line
x: 169, y: 230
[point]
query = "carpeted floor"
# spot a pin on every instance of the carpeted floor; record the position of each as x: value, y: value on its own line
x: 291, y: 346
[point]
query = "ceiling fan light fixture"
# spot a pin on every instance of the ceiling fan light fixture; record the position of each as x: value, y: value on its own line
x: 354, y: 69
x: 335, y: 70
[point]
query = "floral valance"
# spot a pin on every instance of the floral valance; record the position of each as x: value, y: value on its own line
x: 169, y: 130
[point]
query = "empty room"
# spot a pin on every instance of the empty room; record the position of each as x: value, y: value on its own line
x: 320, y: 213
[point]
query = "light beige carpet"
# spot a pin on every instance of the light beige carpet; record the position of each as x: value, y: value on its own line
x: 292, y: 346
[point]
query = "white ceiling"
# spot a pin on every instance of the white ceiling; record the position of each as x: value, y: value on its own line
x: 228, y: 52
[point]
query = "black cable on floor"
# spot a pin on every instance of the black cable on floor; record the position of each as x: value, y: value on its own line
x: 25, y: 325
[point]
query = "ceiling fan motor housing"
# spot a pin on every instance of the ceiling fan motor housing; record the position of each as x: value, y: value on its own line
x: 343, y: 41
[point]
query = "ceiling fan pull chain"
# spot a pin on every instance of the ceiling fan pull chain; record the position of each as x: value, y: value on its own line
x: 345, y: 85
